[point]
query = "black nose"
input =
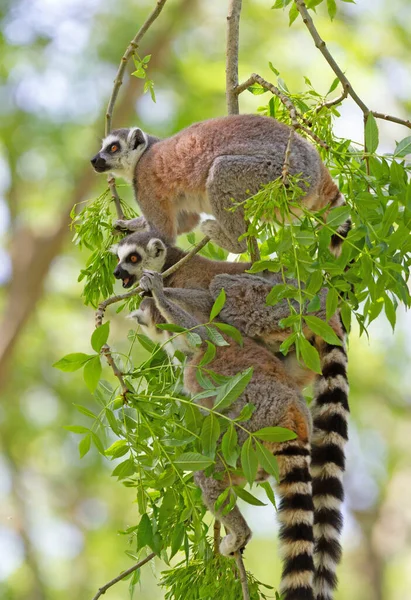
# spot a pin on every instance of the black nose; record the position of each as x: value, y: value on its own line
x: 99, y: 163
x: 118, y: 271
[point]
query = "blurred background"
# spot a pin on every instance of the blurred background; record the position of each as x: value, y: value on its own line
x: 59, y: 515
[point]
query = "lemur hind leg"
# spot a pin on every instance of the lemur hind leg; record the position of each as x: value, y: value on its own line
x: 239, y: 533
x: 232, y: 179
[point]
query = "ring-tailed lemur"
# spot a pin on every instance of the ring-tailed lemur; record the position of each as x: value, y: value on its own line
x: 204, y: 167
x: 277, y: 402
x: 245, y: 308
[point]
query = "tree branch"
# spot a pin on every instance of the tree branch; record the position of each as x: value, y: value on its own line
x: 348, y: 89
x: 243, y: 575
x: 217, y: 536
x: 294, y: 115
x: 231, y: 69
x: 132, y: 47
x: 122, y: 575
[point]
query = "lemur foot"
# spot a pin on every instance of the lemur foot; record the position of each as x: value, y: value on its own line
x: 137, y: 224
x: 151, y: 281
x: 218, y: 236
x: 232, y: 543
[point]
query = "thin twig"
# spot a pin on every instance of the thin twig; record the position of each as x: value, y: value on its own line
x: 126, y: 57
x: 243, y: 575
x: 385, y: 117
x: 231, y: 68
x: 122, y: 575
x: 107, y: 352
x: 321, y: 45
x: 286, y: 166
x: 112, y: 185
x: 334, y: 102
x: 113, y: 299
x: 217, y: 536
x: 117, y: 84
x: 294, y: 115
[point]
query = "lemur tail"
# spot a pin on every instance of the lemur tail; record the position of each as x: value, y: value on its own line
x: 330, y: 412
x: 295, y: 514
x: 331, y: 195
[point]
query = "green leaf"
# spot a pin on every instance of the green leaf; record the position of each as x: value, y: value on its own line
x: 84, y: 445
x: 371, y: 133
x: 218, y: 304
x: 390, y: 311
x: 216, y: 337
x: 337, y: 216
x: 229, y: 446
x: 275, y: 434
x: 144, y: 532
x: 76, y: 429
x: 98, y: 443
x: 85, y: 411
x: 309, y: 354
x: 305, y: 238
x: 403, y: 147
x: 292, y: 15
x: 177, y: 538
x: 319, y: 327
x: 331, y: 303
x: 249, y: 461
x: 314, y: 304
x: 333, y: 86
x: 230, y: 391
x: 332, y: 8
x: 192, y: 461
x: 171, y: 327
x: 72, y: 362
x: 100, y: 336
x: 245, y: 413
x: 269, y: 491
x: 92, y: 373
x: 208, y: 355
x: 247, y: 497
x: 221, y: 499
x: 210, y: 432
x: 231, y: 331
x: 267, y: 460
x: 124, y: 469
x: 119, y: 448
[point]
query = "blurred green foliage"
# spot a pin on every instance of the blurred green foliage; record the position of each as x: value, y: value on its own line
x: 60, y: 515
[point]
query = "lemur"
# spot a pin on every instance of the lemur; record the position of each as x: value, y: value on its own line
x: 204, y: 167
x: 277, y: 402
x: 245, y: 308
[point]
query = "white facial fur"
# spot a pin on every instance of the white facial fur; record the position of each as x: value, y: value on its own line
x: 123, y: 162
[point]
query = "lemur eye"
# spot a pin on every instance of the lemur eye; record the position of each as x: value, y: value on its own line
x: 114, y: 148
x: 134, y: 258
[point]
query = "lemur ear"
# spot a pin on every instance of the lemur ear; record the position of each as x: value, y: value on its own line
x: 113, y: 249
x: 155, y: 248
x: 135, y: 138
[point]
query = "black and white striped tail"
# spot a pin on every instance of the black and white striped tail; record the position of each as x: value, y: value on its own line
x: 296, y: 516
x: 330, y: 413
x: 342, y: 231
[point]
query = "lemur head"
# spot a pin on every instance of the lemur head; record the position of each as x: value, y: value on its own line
x: 120, y: 152
x: 137, y: 252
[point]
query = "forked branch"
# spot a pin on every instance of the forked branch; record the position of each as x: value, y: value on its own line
x: 122, y: 575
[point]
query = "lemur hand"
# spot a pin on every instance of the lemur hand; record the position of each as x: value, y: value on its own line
x: 151, y: 281
x: 137, y: 224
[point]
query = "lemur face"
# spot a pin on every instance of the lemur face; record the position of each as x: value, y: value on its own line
x: 134, y: 258
x: 120, y: 152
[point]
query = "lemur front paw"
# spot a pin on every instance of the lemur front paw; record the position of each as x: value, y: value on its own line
x: 151, y: 281
x: 137, y: 224
x: 232, y: 543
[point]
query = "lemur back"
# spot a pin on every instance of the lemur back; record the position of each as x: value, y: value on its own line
x: 277, y: 402
x: 206, y: 166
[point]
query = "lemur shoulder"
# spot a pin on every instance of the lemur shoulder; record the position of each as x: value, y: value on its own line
x: 206, y: 166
